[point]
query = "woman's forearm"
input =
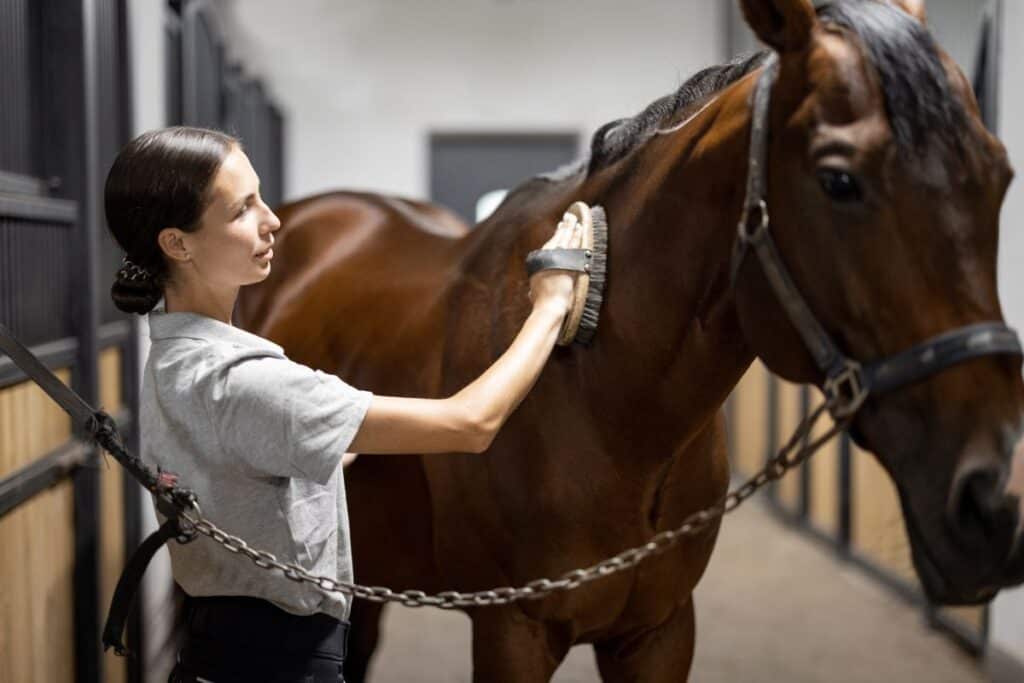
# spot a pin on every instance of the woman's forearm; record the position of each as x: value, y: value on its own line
x: 494, y: 395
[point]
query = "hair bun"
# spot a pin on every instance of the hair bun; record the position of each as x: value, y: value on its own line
x: 138, y: 295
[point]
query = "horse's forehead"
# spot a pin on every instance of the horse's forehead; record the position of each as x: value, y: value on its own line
x: 844, y: 85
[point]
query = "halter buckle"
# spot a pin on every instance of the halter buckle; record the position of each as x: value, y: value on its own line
x: 846, y: 391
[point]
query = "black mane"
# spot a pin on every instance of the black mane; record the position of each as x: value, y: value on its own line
x: 918, y: 97
x: 614, y: 140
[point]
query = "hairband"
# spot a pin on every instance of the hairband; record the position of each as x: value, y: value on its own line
x: 133, y: 271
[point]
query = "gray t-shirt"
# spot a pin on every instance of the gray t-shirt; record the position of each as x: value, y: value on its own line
x: 259, y: 438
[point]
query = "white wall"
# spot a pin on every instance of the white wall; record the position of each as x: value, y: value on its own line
x: 364, y: 81
x: 1008, y: 608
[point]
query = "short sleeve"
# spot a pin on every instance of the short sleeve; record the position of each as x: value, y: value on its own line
x: 285, y: 419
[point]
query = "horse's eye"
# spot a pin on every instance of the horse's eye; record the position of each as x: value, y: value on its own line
x: 840, y: 186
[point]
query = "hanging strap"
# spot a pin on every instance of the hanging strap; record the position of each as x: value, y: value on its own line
x: 128, y: 585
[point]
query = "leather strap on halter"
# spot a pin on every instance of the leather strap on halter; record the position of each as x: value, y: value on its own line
x: 847, y: 383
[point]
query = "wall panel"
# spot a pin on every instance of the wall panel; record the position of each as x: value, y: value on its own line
x: 878, y: 531
x: 749, y: 420
x: 36, y: 603
x: 112, y: 556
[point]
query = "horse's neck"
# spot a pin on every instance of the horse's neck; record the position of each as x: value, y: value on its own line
x: 671, y: 336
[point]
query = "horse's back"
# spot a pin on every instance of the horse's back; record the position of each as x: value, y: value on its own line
x: 358, y: 284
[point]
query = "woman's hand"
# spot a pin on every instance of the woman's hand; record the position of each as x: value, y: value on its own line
x: 554, y: 288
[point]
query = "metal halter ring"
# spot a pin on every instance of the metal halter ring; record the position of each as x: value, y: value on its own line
x: 846, y: 391
x: 748, y: 232
x: 133, y: 271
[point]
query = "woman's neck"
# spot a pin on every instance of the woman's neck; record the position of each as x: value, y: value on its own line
x: 215, y: 304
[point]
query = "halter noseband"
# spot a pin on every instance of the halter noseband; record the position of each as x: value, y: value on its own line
x: 847, y: 382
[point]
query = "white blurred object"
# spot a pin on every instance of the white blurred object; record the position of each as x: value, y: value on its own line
x: 488, y: 202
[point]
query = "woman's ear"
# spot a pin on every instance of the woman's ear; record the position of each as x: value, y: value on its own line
x: 172, y: 244
x: 785, y: 25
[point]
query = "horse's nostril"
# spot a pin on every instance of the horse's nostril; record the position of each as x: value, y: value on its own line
x: 981, y: 512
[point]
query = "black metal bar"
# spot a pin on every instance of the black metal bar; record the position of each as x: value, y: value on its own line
x: 33, y: 208
x: 133, y: 499
x: 89, y: 662
x: 40, y: 475
x: 54, y: 355
x: 22, y: 184
x: 130, y: 380
x: 117, y: 333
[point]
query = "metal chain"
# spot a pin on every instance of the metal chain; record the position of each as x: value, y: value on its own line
x: 793, y: 453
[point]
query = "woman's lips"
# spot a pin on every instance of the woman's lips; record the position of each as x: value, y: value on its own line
x: 268, y: 254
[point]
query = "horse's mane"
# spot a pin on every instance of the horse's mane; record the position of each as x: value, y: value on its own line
x: 616, y: 139
x: 918, y: 97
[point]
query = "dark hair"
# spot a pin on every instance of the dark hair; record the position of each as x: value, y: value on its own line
x: 160, y: 179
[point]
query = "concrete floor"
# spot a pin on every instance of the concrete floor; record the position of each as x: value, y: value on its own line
x: 773, y: 606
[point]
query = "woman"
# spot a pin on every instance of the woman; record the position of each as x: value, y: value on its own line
x: 259, y: 438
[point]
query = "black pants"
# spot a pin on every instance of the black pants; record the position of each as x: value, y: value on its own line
x: 229, y: 639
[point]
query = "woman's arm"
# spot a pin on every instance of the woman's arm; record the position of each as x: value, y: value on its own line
x: 468, y: 421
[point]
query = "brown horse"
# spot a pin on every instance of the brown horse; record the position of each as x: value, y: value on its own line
x: 885, y: 190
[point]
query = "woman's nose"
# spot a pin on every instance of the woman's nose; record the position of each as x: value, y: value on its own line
x: 273, y: 222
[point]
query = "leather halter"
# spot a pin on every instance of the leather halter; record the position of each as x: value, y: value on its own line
x: 847, y: 382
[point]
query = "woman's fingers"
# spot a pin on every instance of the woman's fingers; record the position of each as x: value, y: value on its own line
x: 569, y: 220
x: 568, y: 234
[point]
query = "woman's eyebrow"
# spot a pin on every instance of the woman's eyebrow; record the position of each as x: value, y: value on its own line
x: 237, y: 204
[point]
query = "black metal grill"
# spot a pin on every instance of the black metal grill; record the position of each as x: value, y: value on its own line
x: 35, y: 277
x: 216, y: 94
x: 18, y: 108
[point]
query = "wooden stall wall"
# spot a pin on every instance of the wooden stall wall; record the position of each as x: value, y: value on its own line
x: 37, y: 637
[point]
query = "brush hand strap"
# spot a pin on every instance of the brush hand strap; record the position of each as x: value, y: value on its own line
x: 559, y: 259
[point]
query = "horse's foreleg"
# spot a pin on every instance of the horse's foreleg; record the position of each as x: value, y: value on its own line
x: 660, y: 655
x: 362, y: 641
x: 508, y: 647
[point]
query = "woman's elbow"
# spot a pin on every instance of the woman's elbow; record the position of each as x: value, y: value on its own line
x: 484, y: 437
x: 477, y: 430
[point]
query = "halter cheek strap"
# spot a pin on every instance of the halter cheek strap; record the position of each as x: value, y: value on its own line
x: 847, y: 383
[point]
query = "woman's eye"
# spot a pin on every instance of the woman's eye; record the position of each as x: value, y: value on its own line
x: 840, y: 186
x: 241, y: 212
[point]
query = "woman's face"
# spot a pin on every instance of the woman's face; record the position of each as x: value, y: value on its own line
x: 232, y: 246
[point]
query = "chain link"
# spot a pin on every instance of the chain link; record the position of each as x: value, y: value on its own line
x: 798, y: 449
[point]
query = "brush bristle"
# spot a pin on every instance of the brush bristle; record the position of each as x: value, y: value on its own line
x: 598, y: 274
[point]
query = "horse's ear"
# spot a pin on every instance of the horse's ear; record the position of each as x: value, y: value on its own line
x: 785, y: 25
x: 914, y: 8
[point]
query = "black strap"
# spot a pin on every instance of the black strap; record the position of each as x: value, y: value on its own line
x: 128, y: 584
x: 938, y: 353
x: 73, y: 404
x: 560, y: 259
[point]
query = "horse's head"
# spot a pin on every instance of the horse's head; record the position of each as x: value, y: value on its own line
x: 884, y: 189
